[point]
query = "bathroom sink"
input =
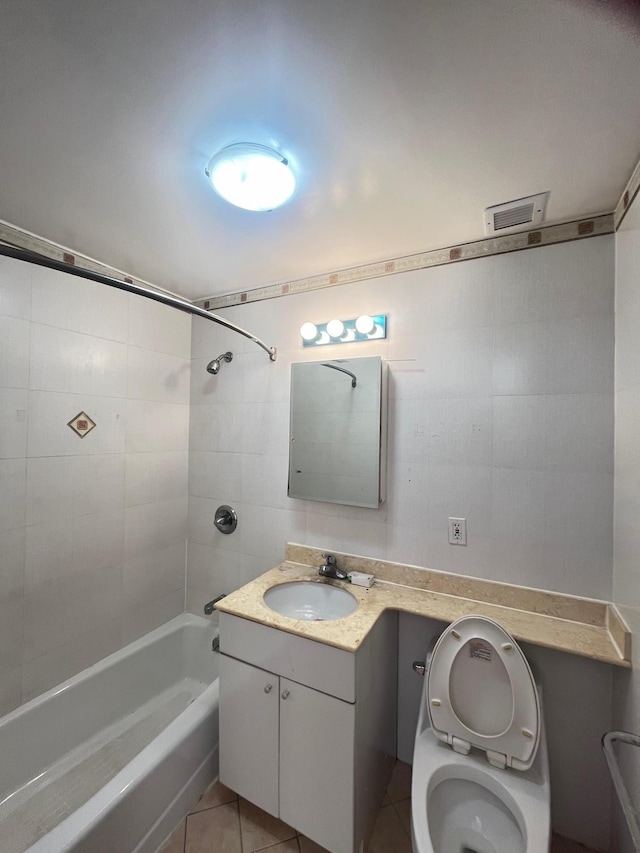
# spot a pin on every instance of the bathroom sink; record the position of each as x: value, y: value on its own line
x: 315, y: 602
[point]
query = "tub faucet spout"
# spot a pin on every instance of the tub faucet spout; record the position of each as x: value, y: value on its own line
x: 330, y: 570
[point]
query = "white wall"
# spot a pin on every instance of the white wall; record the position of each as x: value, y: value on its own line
x: 626, y: 571
x: 501, y: 411
x: 92, y: 530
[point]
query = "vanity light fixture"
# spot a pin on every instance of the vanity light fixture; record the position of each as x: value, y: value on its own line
x: 335, y: 328
x: 365, y: 324
x: 251, y: 176
x: 364, y: 328
x: 309, y: 332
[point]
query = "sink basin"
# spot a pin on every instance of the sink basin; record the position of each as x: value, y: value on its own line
x: 315, y: 602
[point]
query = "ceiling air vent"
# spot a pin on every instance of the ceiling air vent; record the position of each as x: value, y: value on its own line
x: 513, y: 215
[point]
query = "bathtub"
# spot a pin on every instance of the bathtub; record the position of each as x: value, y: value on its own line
x: 113, y: 758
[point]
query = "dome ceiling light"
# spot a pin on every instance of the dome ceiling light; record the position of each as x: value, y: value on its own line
x: 251, y: 176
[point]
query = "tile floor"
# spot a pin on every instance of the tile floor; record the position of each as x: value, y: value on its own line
x: 222, y: 822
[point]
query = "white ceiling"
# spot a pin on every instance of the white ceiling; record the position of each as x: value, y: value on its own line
x: 405, y: 119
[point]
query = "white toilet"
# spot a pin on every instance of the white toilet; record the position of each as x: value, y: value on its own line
x: 480, y: 697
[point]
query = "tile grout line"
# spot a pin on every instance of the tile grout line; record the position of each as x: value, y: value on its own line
x: 237, y: 801
x: 295, y: 837
x: 399, y: 816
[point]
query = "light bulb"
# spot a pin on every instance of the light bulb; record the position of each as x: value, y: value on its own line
x: 251, y: 176
x: 365, y: 324
x: 309, y: 331
x: 335, y: 328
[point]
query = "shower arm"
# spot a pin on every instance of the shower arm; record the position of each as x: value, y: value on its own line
x: 129, y: 287
x: 342, y: 370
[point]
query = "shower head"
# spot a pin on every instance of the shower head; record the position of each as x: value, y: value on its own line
x: 214, y: 366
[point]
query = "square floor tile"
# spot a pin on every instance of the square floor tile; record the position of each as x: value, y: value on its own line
x: 175, y: 842
x: 260, y: 829
x: 215, y: 795
x: 309, y: 846
x: 214, y: 830
x: 400, y: 784
x: 389, y: 835
x: 559, y: 844
x: 290, y: 846
x: 403, y: 810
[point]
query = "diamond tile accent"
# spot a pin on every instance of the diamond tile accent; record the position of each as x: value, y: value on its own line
x: 82, y: 424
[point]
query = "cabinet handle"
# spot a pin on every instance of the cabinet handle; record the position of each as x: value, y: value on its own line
x: 285, y: 694
x: 268, y: 688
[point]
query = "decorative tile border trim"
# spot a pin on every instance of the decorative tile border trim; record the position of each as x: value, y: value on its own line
x: 630, y: 192
x: 21, y: 239
x: 606, y: 223
x: 576, y: 230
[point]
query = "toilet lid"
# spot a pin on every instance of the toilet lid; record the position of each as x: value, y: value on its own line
x: 480, y: 692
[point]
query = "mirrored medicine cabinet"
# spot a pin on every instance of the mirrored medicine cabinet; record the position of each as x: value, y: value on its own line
x: 338, y: 426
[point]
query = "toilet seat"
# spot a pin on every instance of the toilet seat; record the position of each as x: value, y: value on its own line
x: 480, y: 692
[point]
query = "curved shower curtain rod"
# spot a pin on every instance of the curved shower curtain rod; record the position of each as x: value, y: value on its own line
x: 156, y: 295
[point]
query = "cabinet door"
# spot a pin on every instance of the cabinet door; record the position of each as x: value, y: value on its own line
x: 249, y: 732
x: 317, y: 765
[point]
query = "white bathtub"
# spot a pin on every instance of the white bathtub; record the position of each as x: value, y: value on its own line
x: 111, y: 759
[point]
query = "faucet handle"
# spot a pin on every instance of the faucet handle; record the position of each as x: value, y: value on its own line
x: 331, y: 560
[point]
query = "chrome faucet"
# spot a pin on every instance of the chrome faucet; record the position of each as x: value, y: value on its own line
x: 330, y: 569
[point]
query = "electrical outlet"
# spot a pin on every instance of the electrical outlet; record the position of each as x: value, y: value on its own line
x: 457, y: 531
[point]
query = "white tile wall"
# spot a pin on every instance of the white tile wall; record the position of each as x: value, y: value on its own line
x: 54, y: 666
x: 13, y: 487
x: 155, y: 476
x: 13, y: 416
x: 221, y: 473
x: 92, y: 530
x: 501, y: 382
x: 74, y: 363
x: 626, y: 569
x: 148, y: 614
x: 155, y: 327
x: 143, y: 419
x: 63, y: 487
x: 10, y: 689
x: 155, y: 574
x: 11, y: 632
x: 12, y: 548
x: 152, y: 526
x: 14, y: 352
x: 50, y: 412
x: 85, y: 307
x: 501, y: 411
x: 157, y: 376
x: 15, y: 294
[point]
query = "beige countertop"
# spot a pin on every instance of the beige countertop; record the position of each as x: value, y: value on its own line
x: 582, y: 626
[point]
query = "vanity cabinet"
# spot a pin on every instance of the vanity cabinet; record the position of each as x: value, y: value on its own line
x: 282, y: 743
x: 308, y: 731
x: 249, y: 721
